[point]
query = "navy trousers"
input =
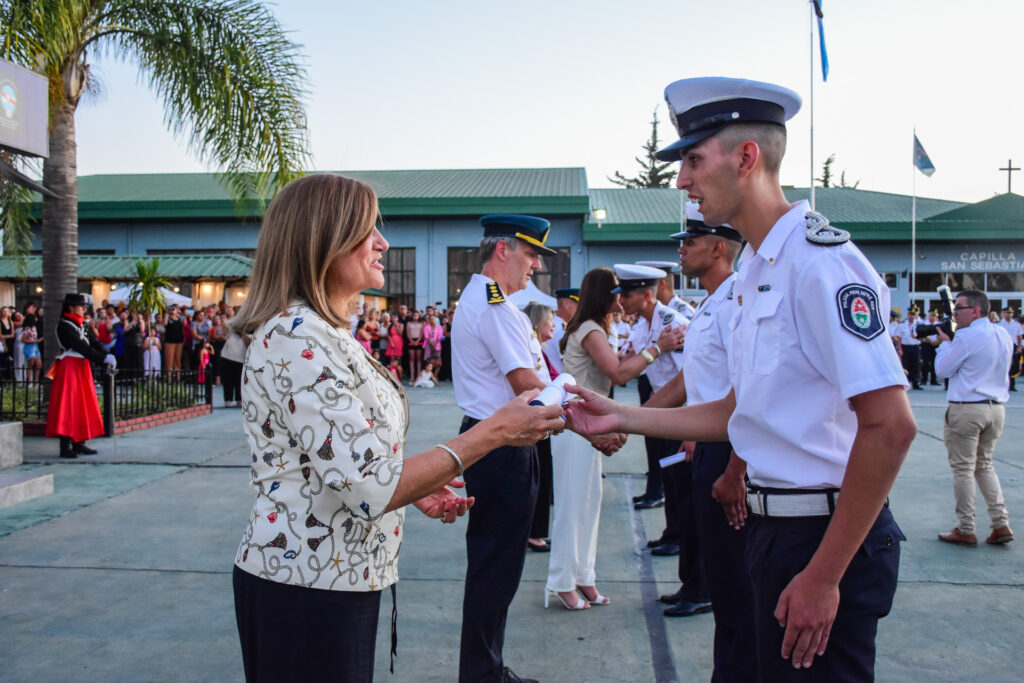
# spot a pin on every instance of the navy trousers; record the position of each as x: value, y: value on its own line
x: 722, y: 552
x: 912, y: 362
x: 777, y: 550
x: 504, y: 484
x: 655, y: 487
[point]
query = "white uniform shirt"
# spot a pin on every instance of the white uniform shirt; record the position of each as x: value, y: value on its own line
x: 668, y: 364
x: 705, y: 354
x: 488, y: 342
x: 680, y: 306
x: 906, y: 332
x: 554, y: 353
x: 1013, y: 328
x: 977, y: 363
x: 894, y: 328
x: 799, y: 355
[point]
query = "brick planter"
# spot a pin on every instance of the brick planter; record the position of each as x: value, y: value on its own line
x: 136, y: 423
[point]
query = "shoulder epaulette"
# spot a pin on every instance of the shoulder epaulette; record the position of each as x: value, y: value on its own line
x: 821, y: 233
x: 494, y: 294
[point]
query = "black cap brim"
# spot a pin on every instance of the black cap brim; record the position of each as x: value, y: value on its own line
x: 674, y: 152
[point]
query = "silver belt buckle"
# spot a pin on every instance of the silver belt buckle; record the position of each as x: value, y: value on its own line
x: 790, y: 505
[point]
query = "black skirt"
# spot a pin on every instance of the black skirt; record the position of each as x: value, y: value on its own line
x: 291, y: 633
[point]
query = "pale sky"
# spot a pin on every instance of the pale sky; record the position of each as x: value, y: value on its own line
x: 403, y: 84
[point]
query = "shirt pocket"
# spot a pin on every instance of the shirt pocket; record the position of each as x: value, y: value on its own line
x: 762, y: 354
x: 702, y: 330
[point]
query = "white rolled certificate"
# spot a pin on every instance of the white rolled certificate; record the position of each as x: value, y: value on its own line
x: 555, y: 392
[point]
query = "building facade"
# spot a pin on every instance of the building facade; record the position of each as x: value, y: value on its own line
x: 430, y: 218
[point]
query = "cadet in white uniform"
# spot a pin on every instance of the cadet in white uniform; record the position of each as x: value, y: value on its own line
x: 911, y: 347
x: 818, y: 401
x: 1016, y: 332
x: 666, y: 288
x: 496, y: 356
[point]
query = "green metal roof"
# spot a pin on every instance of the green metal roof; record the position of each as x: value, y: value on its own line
x: 650, y: 215
x: 175, y: 267
x: 546, y: 191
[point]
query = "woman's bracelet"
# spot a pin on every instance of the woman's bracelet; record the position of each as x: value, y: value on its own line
x: 458, y: 460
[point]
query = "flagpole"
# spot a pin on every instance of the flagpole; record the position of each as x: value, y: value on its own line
x: 810, y: 6
x: 913, y: 218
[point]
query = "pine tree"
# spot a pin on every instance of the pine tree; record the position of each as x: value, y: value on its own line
x: 653, y: 173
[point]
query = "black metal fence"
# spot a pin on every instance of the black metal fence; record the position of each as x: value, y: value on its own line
x: 122, y: 396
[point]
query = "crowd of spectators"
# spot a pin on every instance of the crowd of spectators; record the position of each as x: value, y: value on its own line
x: 414, y: 345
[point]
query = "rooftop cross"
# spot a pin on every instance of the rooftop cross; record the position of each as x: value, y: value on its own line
x: 1010, y: 168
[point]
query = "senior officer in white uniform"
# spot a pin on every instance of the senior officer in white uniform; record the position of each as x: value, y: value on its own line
x: 496, y: 355
x: 818, y: 399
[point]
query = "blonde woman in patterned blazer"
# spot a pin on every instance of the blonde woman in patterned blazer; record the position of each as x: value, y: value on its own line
x: 326, y: 425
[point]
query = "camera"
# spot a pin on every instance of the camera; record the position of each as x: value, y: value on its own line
x: 945, y: 323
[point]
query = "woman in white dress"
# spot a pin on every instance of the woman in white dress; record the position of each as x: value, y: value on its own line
x: 576, y: 464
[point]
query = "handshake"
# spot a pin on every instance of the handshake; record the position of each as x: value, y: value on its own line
x: 556, y: 393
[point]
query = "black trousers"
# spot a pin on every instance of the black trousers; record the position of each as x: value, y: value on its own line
x: 292, y: 633
x: 928, y: 364
x: 677, y: 483
x: 231, y: 378
x: 504, y: 484
x: 542, y: 508
x: 777, y: 550
x: 912, y: 363
x: 722, y: 551
x: 655, y: 485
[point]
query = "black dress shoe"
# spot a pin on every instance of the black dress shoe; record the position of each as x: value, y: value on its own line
x: 538, y: 548
x: 672, y: 598
x: 665, y: 550
x: 917, y: 387
x: 68, y: 454
x: 656, y: 542
x: 686, y: 608
x: 509, y: 676
x: 82, y: 449
x: 648, y: 503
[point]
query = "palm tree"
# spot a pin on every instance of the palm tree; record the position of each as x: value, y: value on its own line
x: 146, y: 297
x: 229, y: 79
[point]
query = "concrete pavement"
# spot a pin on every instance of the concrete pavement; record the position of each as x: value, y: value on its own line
x: 124, y: 574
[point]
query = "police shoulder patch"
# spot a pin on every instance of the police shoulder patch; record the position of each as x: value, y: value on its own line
x: 821, y: 233
x: 494, y: 294
x: 858, y: 311
x: 667, y: 317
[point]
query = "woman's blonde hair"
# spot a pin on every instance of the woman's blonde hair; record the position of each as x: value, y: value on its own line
x: 311, y: 222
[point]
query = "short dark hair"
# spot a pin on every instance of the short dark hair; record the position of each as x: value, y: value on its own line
x: 976, y: 297
x: 770, y: 139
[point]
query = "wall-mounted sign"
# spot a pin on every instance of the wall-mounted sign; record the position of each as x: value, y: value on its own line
x: 984, y: 261
x: 24, y: 110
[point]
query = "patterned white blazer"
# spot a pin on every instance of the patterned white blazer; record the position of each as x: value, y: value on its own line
x: 326, y: 425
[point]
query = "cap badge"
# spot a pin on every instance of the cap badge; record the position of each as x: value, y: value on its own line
x: 820, y: 232
x: 858, y: 311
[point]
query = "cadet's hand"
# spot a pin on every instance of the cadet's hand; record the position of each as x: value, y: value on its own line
x: 595, y: 414
x: 731, y: 493
x: 806, y: 609
x: 521, y: 424
x: 671, y: 338
x: 608, y: 444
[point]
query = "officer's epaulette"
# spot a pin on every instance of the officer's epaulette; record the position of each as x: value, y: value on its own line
x: 494, y: 295
x: 821, y: 233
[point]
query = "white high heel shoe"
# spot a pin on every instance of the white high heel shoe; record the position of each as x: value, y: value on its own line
x: 580, y: 602
x: 599, y: 600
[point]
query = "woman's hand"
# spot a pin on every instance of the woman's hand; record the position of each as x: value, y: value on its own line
x: 445, y: 504
x: 608, y: 444
x: 671, y: 338
x: 595, y: 414
x: 520, y: 424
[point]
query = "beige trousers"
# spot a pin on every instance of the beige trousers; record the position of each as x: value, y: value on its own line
x: 971, y: 432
